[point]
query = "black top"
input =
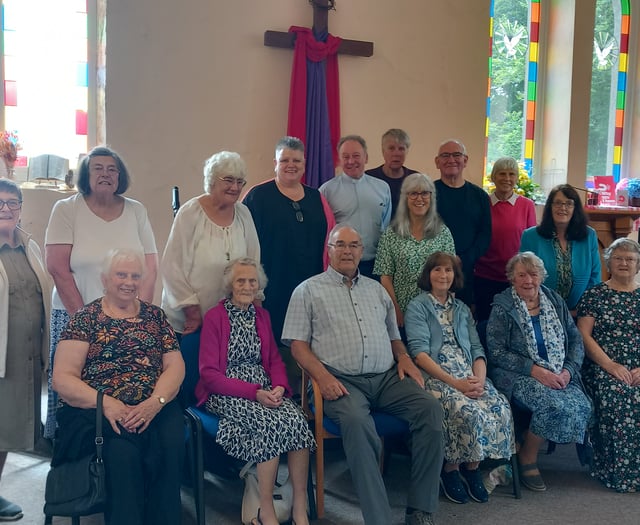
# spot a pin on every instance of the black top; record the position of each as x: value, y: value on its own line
x: 290, y: 250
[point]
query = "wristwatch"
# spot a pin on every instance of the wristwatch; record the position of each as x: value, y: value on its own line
x: 162, y: 400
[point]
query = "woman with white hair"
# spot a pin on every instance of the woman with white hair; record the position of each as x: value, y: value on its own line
x: 208, y: 231
x: 243, y: 380
x: 534, y: 354
x: 416, y: 232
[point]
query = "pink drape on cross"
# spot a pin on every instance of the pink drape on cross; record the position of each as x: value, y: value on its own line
x: 307, y: 47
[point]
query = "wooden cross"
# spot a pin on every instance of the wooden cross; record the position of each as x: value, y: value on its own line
x: 320, y: 26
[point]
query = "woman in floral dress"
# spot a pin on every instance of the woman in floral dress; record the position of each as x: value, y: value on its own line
x: 442, y: 339
x: 416, y: 232
x: 609, y: 320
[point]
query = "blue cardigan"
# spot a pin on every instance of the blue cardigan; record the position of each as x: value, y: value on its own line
x: 585, y: 261
x: 424, y: 333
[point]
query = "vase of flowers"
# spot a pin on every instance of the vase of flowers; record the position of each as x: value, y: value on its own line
x: 9, y: 147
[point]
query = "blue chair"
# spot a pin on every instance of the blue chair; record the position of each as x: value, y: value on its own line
x: 200, y: 423
x: 324, y: 428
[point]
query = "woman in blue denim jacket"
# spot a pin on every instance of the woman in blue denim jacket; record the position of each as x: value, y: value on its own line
x: 443, y: 341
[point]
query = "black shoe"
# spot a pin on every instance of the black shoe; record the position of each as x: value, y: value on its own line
x: 473, y: 481
x: 452, y: 486
x: 9, y: 511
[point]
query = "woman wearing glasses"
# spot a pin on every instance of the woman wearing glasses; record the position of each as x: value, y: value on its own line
x: 24, y: 334
x: 415, y: 233
x: 293, y: 221
x: 208, y: 231
x: 81, y: 230
x: 566, y: 245
x: 612, y: 367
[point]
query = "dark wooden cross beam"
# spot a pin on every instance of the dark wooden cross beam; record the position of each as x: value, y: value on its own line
x: 320, y: 25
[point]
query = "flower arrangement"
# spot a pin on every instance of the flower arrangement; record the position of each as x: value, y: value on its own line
x: 9, y: 147
x: 525, y: 186
x: 633, y: 186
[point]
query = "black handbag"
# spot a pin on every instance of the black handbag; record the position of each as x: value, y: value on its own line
x: 78, y: 488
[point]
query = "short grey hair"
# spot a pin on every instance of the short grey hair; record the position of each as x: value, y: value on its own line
x: 341, y: 226
x: 623, y: 244
x: 122, y: 254
x: 455, y: 141
x: 505, y: 164
x: 227, y: 275
x: 293, y: 143
x: 399, y: 135
x: 530, y: 261
x: 223, y: 164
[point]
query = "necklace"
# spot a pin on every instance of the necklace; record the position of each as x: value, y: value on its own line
x: 534, y: 307
x: 117, y: 313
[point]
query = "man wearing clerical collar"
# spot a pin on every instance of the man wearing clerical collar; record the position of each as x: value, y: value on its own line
x: 342, y: 330
x: 359, y: 199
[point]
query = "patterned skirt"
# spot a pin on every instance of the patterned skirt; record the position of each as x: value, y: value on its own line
x: 474, y: 429
x: 252, y: 432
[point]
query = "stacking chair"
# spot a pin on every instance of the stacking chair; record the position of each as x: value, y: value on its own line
x: 324, y: 428
x: 200, y: 423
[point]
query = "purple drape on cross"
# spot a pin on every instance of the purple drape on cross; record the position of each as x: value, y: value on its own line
x: 314, y: 107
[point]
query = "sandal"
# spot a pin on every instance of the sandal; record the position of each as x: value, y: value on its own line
x: 532, y: 481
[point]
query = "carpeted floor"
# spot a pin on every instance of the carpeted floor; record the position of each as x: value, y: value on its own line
x: 572, y: 496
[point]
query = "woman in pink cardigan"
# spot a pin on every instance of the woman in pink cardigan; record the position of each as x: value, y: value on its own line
x: 243, y: 380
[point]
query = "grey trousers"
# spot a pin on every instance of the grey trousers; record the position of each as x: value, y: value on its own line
x: 405, y: 400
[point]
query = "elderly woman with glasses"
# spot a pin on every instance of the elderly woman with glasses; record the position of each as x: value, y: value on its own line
x: 208, y: 231
x: 81, y: 230
x: 566, y: 244
x: 416, y: 232
x: 609, y: 320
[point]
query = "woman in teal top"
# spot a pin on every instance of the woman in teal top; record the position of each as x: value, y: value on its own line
x: 566, y: 245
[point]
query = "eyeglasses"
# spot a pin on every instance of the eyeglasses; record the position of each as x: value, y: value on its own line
x: 299, y: 216
x: 567, y: 205
x: 341, y: 245
x: 99, y: 168
x: 447, y: 155
x: 12, y: 204
x: 413, y: 195
x: 627, y: 260
x: 230, y: 181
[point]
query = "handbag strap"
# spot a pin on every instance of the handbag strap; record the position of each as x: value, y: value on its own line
x: 99, y: 438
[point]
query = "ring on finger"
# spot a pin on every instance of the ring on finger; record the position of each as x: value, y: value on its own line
x: 142, y: 420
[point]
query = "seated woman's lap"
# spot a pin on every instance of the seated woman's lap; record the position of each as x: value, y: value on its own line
x: 144, y: 471
x: 560, y: 415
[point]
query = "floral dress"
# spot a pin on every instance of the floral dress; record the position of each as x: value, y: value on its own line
x: 615, y: 432
x: 248, y: 430
x: 474, y: 429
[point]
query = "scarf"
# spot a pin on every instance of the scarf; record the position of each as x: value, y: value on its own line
x: 552, y: 332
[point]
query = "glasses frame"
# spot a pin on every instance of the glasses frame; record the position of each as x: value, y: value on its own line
x: 413, y: 195
x: 567, y: 205
x: 11, y: 207
x: 231, y: 181
x: 448, y: 155
x: 341, y: 245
